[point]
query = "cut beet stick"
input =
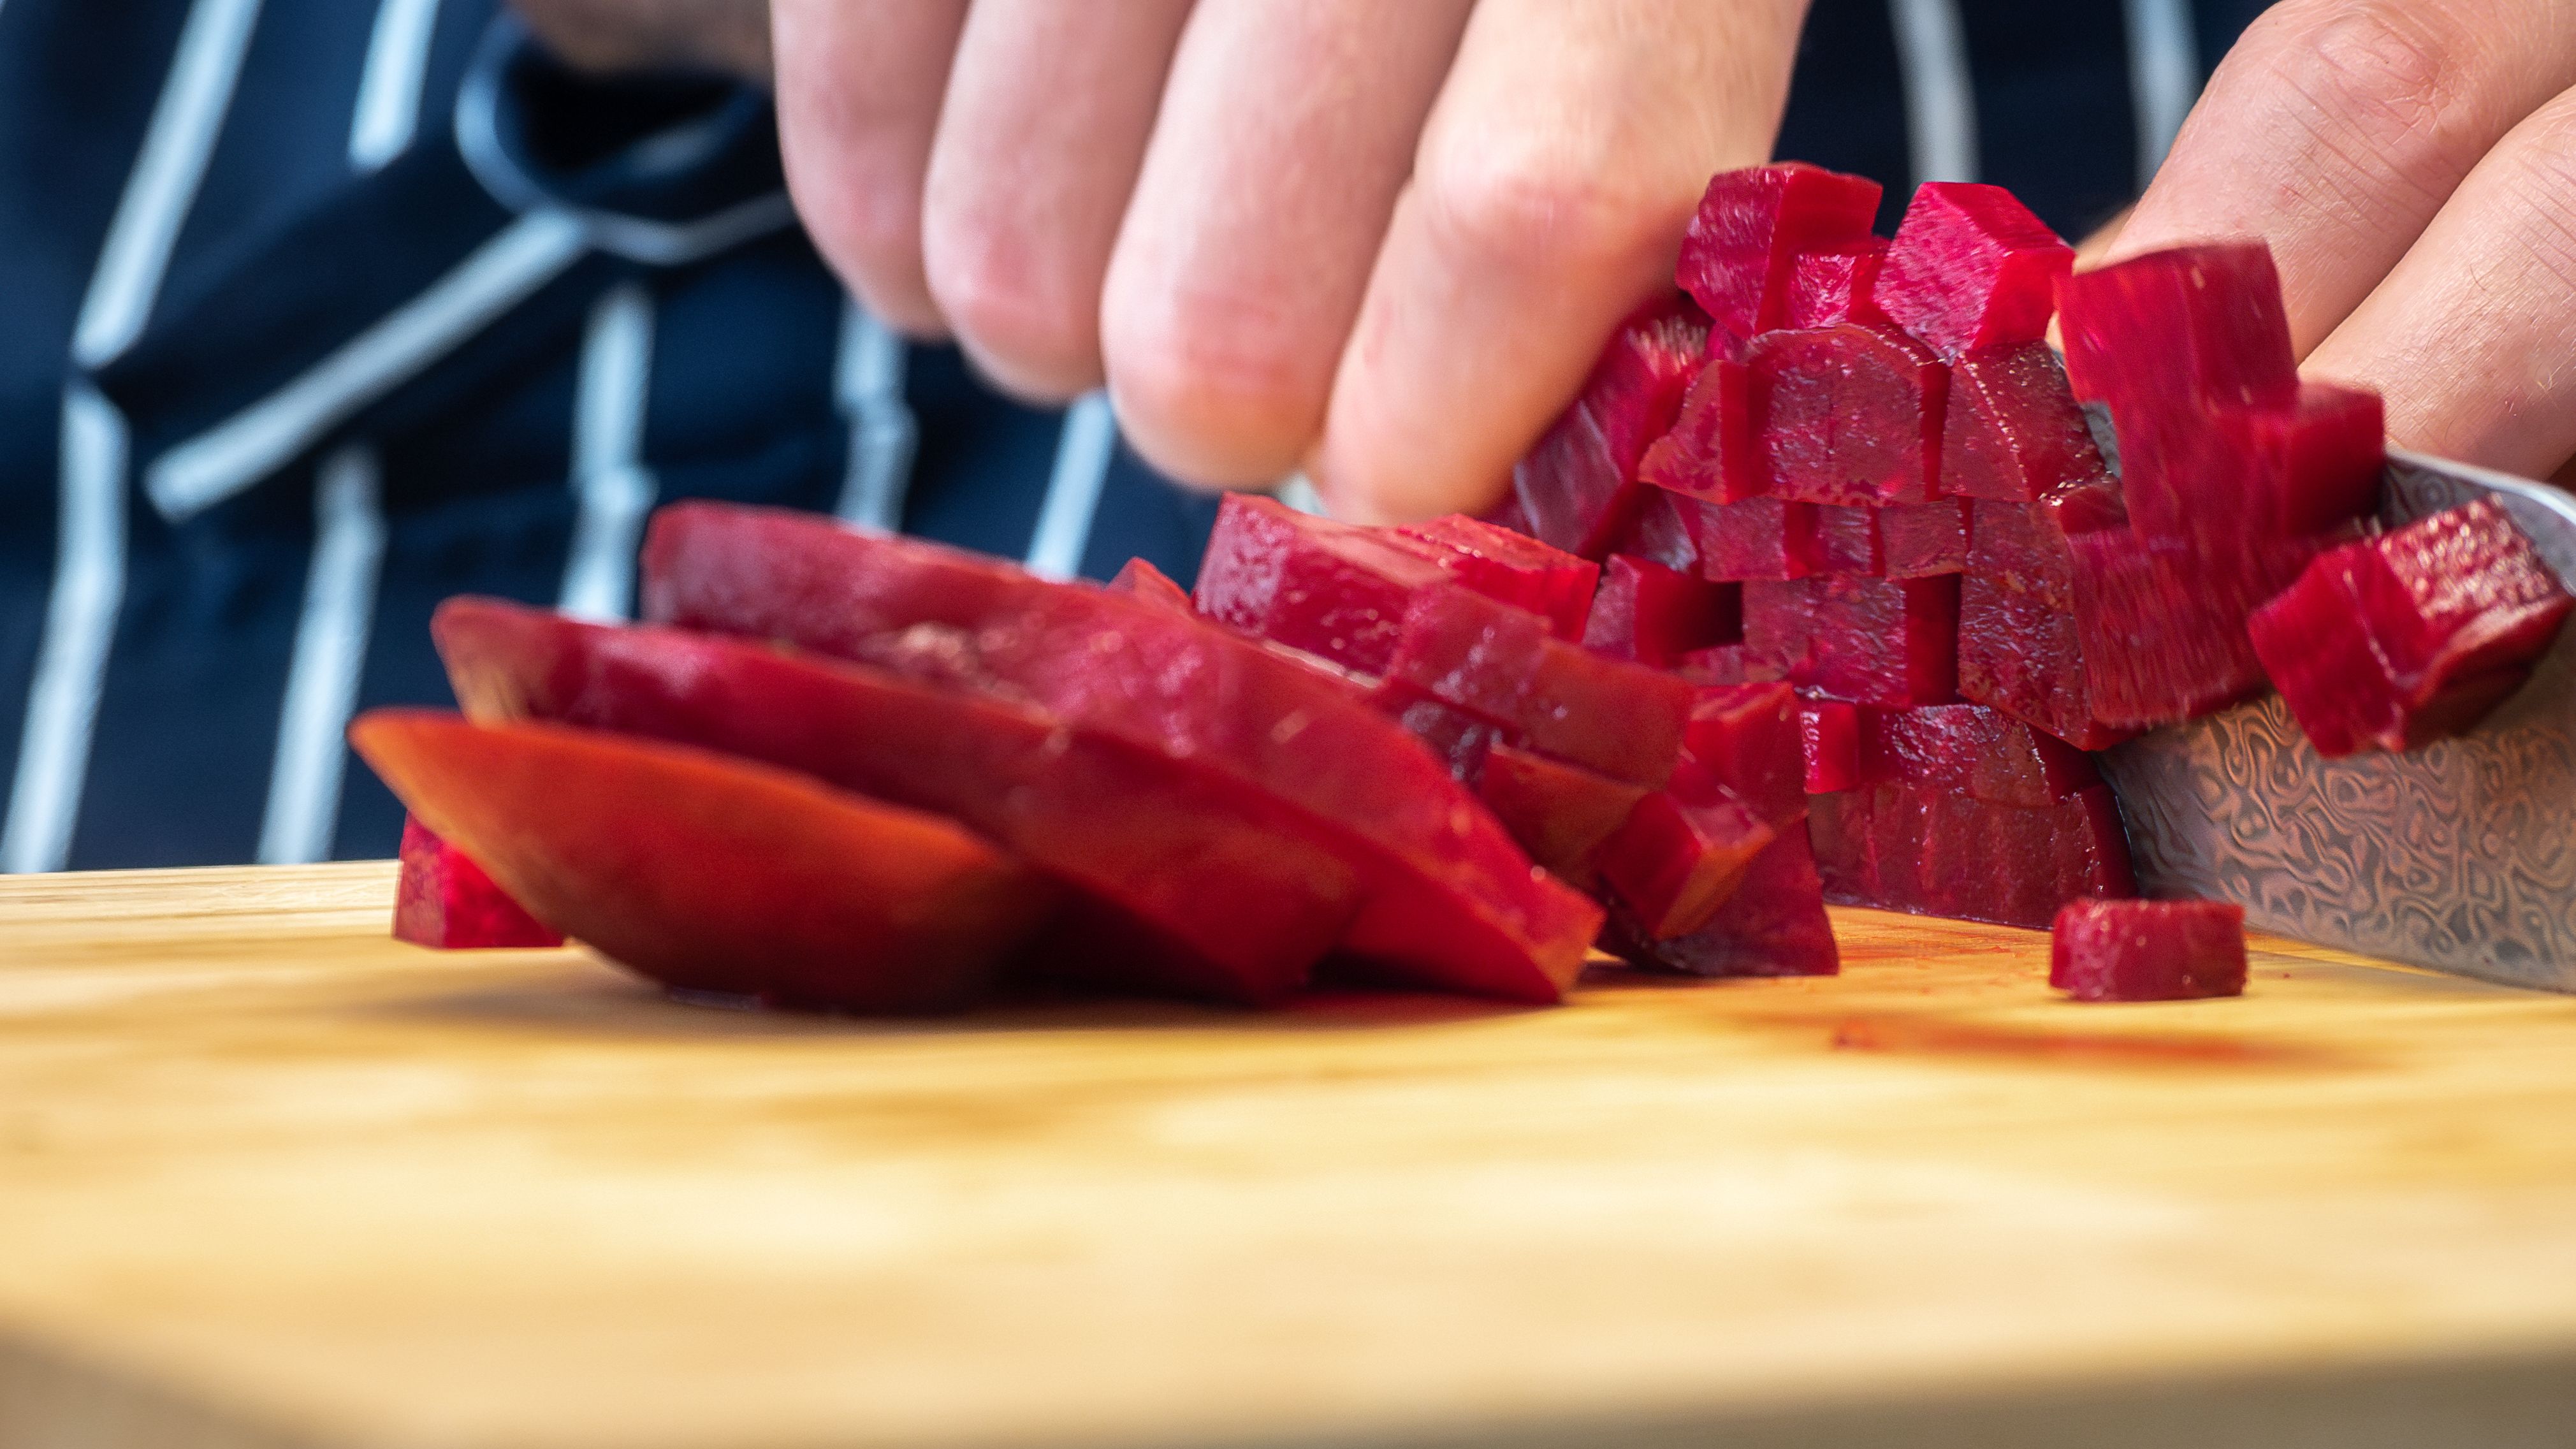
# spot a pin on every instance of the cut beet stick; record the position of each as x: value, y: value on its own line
x: 444, y: 901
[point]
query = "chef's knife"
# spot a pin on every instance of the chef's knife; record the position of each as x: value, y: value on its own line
x: 2461, y: 856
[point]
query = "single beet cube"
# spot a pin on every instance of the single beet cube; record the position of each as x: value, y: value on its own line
x: 2322, y: 457
x: 1500, y: 564
x: 2148, y: 950
x: 1971, y: 269
x: 1502, y: 666
x: 444, y: 901
x: 2395, y: 641
x: 1773, y: 925
x: 1662, y: 531
x: 1847, y: 541
x: 1748, y: 738
x: 1577, y: 487
x: 1830, y: 287
x: 1711, y: 451
x: 1970, y: 750
x: 2172, y: 334
x: 1780, y: 622
x: 1850, y: 415
x: 2164, y: 635
x: 2019, y: 655
x: 1649, y: 614
x: 1682, y: 852
x: 2305, y: 467
x: 1885, y: 642
x: 2014, y: 431
x: 1151, y: 584
x: 1758, y: 539
x: 1730, y: 664
x: 1557, y: 812
x: 1830, y: 733
x: 1331, y: 589
x: 1919, y: 540
x: 1740, y: 251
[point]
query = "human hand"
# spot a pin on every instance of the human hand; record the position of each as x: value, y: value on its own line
x: 2413, y: 164
x: 1379, y: 241
x: 607, y: 36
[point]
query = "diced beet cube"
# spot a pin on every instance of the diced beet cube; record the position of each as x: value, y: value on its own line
x: 2180, y: 331
x: 2148, y: 950
x: 1914, y: 848
x: 1151, y: 584
x: 1513, y: 568
x: 1780, y: 621
x: 2320, y: 458
x: 1577, y: 487
x: 2020, y: 655
x: 1559, y: 813
x: 707, y: 873
x: 1832, y: 286
x: 1649, y: 614
x: 1850, y: 415
x: 1760, y: 538
x: 1967, y: 749
x: 1893, y: 643
x: 1682, y: 852
x: 1919, y: 540
x: 2164, y: 635
x: 1830, y: 731
x: 444, y: 901
x: 1773, y: 925
x: 2014, y: 431
x: 1738, y: 254
x: 1838, y: 831
x: 2394, y: 641
x: 1748, y: 737
x: 1971, y: 269
x: 1502, y: 666
x: 1712, y: 451
x: 1332, y: 589
x: 1847, y: 541
x: 1731, y: 664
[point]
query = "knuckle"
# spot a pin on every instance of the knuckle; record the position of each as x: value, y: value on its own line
x: 1541, y: 208
x: 1214, y: 389
x: 2402, y: 74
x: 1001, y: 299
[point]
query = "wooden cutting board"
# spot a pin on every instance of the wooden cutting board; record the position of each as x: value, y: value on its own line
x: 270, y: 1179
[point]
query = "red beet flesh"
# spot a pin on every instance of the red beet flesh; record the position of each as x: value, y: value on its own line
x: 1850, y: 415
x: 1773, y: 925
x: 1971, y: 269
x: 2394, y: 641
x: 1682, y: 852
x: 1913, y: 848
x: 1331, y: 589
x: 1832, y: 286
x: 1830, y: 732
x: 2021, y: 649
x: 2015, y: 433
x: 712, y: 874
x: 1559, y: 813
x: 1577, y: 488
x: 1650, y: 614
x: 1760, y: 538
x: 1886, y: 642
x: 1967, y: 749
x: 1152, y: 585
x: 444, y: 901
x: 1749, y: 738
x: 2148, y: 950
x: 1513, y: 568
x: 1712, y: 451
x: 1740, y: 252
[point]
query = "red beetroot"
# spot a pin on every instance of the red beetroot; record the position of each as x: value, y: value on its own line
x: 2180, y: 333
x: 2398, y: 640
x: 1447, y: 900
x: 1682, y: 852
x: 1914, y: 848
x: 2148, y: 950
x: 1713, y: 449
x: 1738, y: 256
x: 2164, y: 635
x: 1779, y: 623
x: 712, y: 874
x: 1151, y: 584
x: 1847, y: 541
x: 1773, y: 925
x: 444, y: 901
x: 2020, y: 647
x: 1513, y: 568
x: 1832, y: 286
x: 1971, y: 269
x: 1967, y: 749
x: 1748, y: 738
x: 1649, y: 614
x: 1187, y: 882
x: 1893, y: 643
x: 1332, y: 589
x: 1830, y: 732
x: 1577, y: 487
x: 1731, y: 664
x: 1559, y: 813
x: 2014, y: 431
x: 1920, y: 540
x: 1760, y: 538
x: 1850, y: 415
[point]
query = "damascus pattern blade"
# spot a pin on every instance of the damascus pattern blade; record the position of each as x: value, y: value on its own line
x: 2460, y: 857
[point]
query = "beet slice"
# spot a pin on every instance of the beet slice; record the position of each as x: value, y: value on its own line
x: 1649, y: 614
x: 2014, y: 432
x: 1829, y: 733
x: 1713, y: 449
x: 444, y: 901
x: 706, y: 873
x: 1559, y: 813
x: 1750, y: 739
x: 1833, y: 285
x: 1971, y: 269
x: 1146, y: 582
x: 1447, y: 900
x: 1681, y: 852
x: 1758, y: 539
x: 1512, y: 568
x: 2392, y: 642
x: 1970, y: 750
x: 1577, y: 487
x: 1742, y: 245
x: 1191, y: 884
x: 1850, y: 415
x: 1848, y: 542
x: 1919, y: 540
x: 1773, y: 925
x: 1893, y: 643
x: 2148, y: 950
x: 1332, y: 589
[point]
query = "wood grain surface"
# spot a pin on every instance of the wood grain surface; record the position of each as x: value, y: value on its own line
x: 270, y: 1179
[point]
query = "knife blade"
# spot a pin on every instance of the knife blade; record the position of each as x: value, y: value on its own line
x: 2460, y: 856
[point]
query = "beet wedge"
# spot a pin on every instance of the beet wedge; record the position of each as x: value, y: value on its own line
x: 444, y: 901
x: 712, y: 874
x: 1194, y: 885
x: 1448, y: 901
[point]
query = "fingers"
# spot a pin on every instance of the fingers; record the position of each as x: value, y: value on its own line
x: 2337, y: 129
x: 2468, y: 338
x: 1285, y: 133
x: 859, y: 87
x: 1040, y: 138
x: 1549, y: 195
